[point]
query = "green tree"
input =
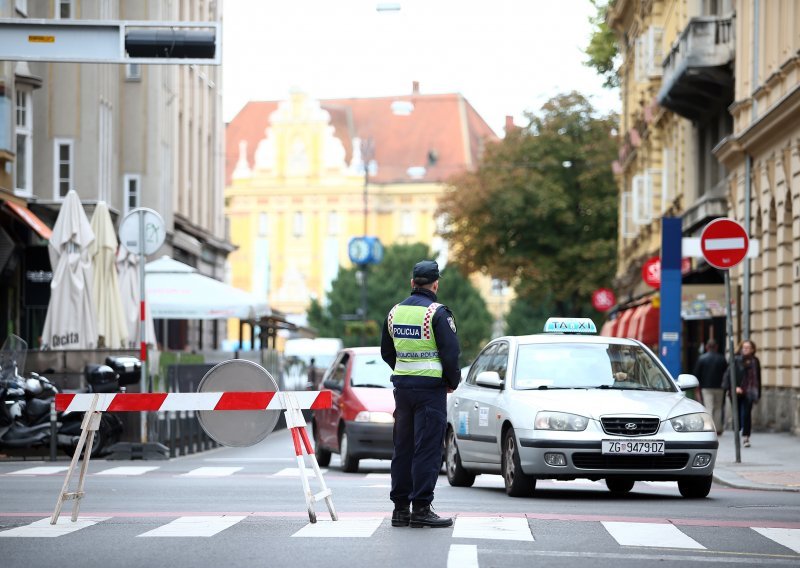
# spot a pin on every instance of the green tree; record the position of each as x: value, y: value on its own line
x: 541, y: 209
x: 525, y: 318
x: 602, y: 50
x: 389, y: 283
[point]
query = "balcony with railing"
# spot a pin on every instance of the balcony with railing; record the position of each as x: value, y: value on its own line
x: 698, y: 73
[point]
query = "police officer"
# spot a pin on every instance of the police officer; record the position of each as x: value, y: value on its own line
x: 420, y: 344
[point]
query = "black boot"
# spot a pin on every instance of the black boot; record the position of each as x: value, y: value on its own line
x: 400, y: 516
x: 425, y: 517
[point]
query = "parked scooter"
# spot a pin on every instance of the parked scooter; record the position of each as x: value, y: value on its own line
x: 25, y: 419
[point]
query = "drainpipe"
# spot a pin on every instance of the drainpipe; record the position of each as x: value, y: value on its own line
x: 748, y: 168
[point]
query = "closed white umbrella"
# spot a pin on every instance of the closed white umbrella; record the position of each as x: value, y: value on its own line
x: 111, y: 329
x: 128, y: 266
x: 70, y: 322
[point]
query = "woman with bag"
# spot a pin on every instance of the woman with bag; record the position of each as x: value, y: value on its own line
x: 747, y: 370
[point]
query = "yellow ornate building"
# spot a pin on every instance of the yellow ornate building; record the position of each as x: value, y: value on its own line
x: 710, y: 99
x: 296, y: 174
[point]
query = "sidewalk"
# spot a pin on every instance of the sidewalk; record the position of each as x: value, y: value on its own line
x: 772, y: 462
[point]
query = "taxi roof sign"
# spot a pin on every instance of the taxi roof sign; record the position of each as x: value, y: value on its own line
x: 569, y: 325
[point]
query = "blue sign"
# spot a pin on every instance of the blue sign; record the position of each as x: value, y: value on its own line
x: 669, y: 337
x: 365, y: 250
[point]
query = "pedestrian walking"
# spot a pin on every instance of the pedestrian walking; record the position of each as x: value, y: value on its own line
x: 419, y: 342
x: 709, y: 370
x: 747, y: 374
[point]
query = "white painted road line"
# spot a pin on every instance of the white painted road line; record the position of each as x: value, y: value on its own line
x: 43, y: 528
x: 211, y: 472
x: 363, y: 527
x: 495, y: 528
x: 295, y: 472
x: 202, y: 525
x: 45, y: 470
x: 379, y: 476
x: 651, y: 535
x: 127, y: 470
x: 462, y: 556
x: 790, y: 538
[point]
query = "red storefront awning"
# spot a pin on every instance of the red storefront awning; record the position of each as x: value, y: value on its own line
x: 609, y: 327
x: 624, y: 323
x: 647, y: 331
x: 29, y: 218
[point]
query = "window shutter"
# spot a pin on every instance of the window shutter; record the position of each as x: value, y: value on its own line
x: 627, y: 225
x: 655, y: 53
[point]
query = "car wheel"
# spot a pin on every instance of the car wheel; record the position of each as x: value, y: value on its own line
x: 349, y: 464
x: 619, y: 486
x: 695, y: 487
x: 456, y: 474
x: 517, y: 483
x: 323, y: 456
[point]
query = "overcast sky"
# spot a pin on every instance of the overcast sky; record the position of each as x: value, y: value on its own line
x: 504, y: 56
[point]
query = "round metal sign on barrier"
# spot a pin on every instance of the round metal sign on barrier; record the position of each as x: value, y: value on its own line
x: 238, y: 428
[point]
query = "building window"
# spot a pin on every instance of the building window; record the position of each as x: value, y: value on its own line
x: 131, y: 183
x: 263, y: 224
x: 333, y: 223
x: 297, y: 224
x: 133, y: 72
x: 63, y: 9
x: 24, y: 132
x: 408, y: 224
x: 63, y: 162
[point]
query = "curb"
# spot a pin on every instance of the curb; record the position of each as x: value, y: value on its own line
x: 737, y: 484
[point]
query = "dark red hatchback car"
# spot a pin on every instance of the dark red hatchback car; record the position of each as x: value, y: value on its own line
x: 360, y: 421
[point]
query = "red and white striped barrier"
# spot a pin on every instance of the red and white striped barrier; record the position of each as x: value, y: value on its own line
x: 153, y: 402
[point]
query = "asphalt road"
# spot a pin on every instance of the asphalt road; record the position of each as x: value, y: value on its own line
x: 246, y: 507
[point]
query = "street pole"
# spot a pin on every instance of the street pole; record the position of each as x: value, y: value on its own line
x: 142, y: 338
x: 366, y: 156
x: 732, y: 366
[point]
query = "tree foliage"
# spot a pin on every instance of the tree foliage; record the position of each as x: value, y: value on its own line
x: 602, y: 49
x: 541, y: 209
x: 388, y: 284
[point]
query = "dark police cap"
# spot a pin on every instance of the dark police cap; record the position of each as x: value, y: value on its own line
x: 425, y: 272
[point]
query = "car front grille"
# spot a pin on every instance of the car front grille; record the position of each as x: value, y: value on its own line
x: 600, y: 461
x: 630, y: 426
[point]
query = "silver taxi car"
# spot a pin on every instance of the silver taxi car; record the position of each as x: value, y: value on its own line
x: 569, y: 404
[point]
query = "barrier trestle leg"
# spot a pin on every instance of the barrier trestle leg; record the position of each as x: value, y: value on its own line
x: 302, y: 446
x: 89, y: 426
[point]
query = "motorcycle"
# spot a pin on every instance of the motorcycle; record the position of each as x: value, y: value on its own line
x: 25, y: 416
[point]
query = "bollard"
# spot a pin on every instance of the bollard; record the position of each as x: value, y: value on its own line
x: 53, y: 432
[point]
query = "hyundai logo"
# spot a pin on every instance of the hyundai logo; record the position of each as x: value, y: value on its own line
x: 631, y: 426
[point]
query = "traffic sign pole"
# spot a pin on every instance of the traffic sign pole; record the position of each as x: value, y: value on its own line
x: 142, y: 337
x: 725, y: 243
x: 732, y: 368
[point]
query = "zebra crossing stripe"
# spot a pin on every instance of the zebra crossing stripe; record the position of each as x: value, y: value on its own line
x: 127, y: 470
x: 211, y: 472
x: 462, y: 556
x: 359, y: 527
x: 295, y: 472
x: 790, y: 538
x: 495, y: 528
x: 43, y: 528
x: 201, y: 525
x: 650, y: 535
x: 45, y: 470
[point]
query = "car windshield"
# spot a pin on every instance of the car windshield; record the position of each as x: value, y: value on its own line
x: 371, y: 371
x: 588, y: 366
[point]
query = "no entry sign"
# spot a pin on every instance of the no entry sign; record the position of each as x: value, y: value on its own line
x: 724, y: 243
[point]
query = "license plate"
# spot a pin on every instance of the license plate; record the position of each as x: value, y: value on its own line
x: 646, y: 447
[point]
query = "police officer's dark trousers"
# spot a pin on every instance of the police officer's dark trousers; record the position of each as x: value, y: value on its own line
x: 420, y: 418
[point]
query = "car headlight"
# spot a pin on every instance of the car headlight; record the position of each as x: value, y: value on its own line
x: 546, y: 420
x: 375, y: 417
x: 695, y: 422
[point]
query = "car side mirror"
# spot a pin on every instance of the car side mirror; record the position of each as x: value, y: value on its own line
x: 687, y: 381
x: 489, y: 379
x: 332, y: 385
